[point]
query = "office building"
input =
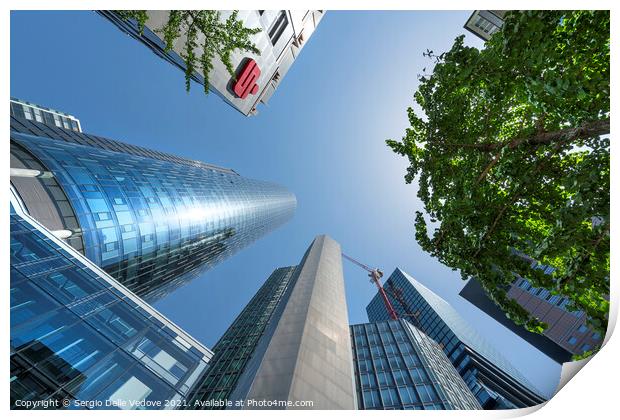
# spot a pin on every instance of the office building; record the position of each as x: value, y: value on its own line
x: 484, y: 23
x: 399, y: 367
x: 235, y: 348
x: 290, y: 348
x: 475, y: 294
x: 283, y: 35
x: 79, y: 339
x: 567, y: 333
x: 151, y: 220
x: 32, y: 112
x: 492, y: 379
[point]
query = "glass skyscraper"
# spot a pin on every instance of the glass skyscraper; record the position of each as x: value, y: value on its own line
x: 233, y: 351
x: 151, y: 220
x: 399, y: 367
x: 492, y: 379
x: 79, y: 339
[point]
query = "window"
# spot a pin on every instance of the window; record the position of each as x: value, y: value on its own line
x: 377, y: 352
x: 485, y: 25
x: 381, y: 364
x: 278, y: 27
x: 408, y: 395
x: 427, y: 393
x: 389, y: 397
x: 89, y: 187
x: 365, y: 366
x: 385, y: 379
x: 37, y: 115
x: 572, y: 340
x: 27, y: 112
x: 111, y: 246
x: 586, y: 347
x: 582, y: 328
x: 368, y: 381
x: 397, y: 362
x: 401, y: 377
x: 127, y: 228
x: 418, y: 375
x: 371, y: 399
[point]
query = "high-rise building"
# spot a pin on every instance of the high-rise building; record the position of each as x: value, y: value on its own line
x: 236, y: 347
x: 492, y: 379
x: 79, y: 339
x: 151, y: 220
x: 567, y: 333
x: 484, y: 23
x: 475, y: 294
x: 399, y: 367
x: 283, y: 35
x: 32, y: 112
x: 290, y: 347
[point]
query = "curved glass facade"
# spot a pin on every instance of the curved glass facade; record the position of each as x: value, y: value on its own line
x: 155, y: 224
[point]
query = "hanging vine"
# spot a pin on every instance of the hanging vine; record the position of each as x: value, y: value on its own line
x: 206, y: 33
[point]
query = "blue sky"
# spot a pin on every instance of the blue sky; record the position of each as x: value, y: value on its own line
x: 322, y: 136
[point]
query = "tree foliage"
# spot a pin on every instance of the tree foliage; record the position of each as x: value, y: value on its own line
x: 507, y: 145
x: 207, y: 36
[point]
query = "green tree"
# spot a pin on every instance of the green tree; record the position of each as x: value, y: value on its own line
x: 205, y: 33
x: 508, y: 150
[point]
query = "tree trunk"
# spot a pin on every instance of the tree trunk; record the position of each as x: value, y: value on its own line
x: 588, y: 129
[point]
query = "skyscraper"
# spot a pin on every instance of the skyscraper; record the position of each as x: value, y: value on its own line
x: 151, y: 220
x: 290, y: 347
x: 567, y: 332
x: 79, y: 339
x: 283, y: 35
x: 236, y: 347
x: 492, y: 379
x: 399, y: 367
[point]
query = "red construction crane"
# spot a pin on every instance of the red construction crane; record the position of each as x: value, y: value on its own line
x: 375, y: 275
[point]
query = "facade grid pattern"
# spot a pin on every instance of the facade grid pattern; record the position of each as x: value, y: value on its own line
x: 399, y: 367
x: 77, y: 336
x: 491, y: 378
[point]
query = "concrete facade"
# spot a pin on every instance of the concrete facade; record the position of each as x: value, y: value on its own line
x: 305, y: 353
x: 283, y: 35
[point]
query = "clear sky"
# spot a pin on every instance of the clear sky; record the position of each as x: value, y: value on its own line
x: 322, y: 136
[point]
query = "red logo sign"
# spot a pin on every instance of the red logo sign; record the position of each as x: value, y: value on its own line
x: 246, y: 81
